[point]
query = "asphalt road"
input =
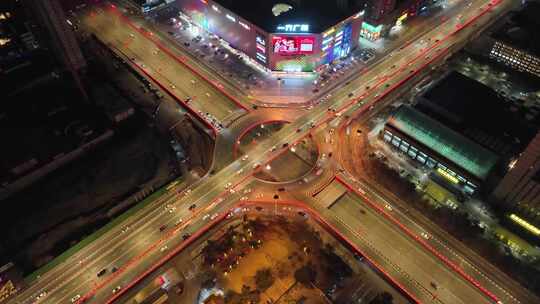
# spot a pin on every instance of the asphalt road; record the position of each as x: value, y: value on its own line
x: 137, y: 249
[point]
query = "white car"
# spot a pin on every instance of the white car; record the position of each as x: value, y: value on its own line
x: 75, y: 298
x: 228, y: 185
x: 161, y: 250
x: 117, y: 288
x: 214, y: 216
x: 205, y: 217
x: 41, y: 295
x: 245, y: 157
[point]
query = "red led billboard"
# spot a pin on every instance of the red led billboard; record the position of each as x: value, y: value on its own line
x: 293, y: 45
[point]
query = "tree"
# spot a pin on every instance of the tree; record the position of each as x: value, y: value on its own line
x: 264, y: 279
x: 306, y: 275
x: 383, y: 298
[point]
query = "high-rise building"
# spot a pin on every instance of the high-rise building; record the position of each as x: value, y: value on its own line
x: 515, y: 58
x: 512, y: 40
x: 521, y: 184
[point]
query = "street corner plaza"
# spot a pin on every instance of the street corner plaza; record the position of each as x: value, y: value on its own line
x: 265, y: 254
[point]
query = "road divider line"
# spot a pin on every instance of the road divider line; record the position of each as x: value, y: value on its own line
x: 421, y: 241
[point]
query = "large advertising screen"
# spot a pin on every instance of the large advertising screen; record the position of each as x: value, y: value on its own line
x: 293, y: 45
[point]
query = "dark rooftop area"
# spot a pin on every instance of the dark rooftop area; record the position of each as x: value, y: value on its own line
x: 521, y: 29
x: 479, y: 113
x: 319, y: 14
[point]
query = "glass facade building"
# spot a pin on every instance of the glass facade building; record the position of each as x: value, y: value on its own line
x: 431, y: 144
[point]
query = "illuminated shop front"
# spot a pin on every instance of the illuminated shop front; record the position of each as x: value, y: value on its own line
x: 371, y: 32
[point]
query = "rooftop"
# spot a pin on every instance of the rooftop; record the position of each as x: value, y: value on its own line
x: 462, y: 151
x: 460, y: 103
x: 318, y: 14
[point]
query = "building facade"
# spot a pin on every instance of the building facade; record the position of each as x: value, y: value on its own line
x: 461, y: 162
x: 515, y: 58
x: 286, y: 47
x: 521, y: 184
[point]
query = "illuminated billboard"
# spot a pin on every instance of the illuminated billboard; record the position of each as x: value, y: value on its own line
x: 371, y: 32
x: 286, y: 45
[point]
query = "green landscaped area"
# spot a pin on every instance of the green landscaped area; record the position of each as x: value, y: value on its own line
x: 98, y: 233
x: 454, y: 147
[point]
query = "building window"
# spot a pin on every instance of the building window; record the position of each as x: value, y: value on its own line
x: 404, y: 146
x: 431, y: 163
x: 387, y: 136
x: 396, y: 141
x: 468, y: 189
x: 439, y: 165
x: 412, y: 152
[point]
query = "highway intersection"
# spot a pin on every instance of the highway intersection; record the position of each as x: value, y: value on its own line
x: 137, y: 247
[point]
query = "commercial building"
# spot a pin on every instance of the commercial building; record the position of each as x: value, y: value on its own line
x: 456, y: 158
x: 381, y: 15
x: 281, y: 35
x: 450, y: 131
x: 513, y: 42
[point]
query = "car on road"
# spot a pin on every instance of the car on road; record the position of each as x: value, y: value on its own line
x: 228, y: 185
x: 75, y: 298
x: 163, y: 248
x: 193, y: 206
x: 162, y: 228
x: 102, y: 272
x: 41, y: 295
x: 186, y: 236
x: 205, y: 217
x: 214, y: 216
x: 256, y: 165
x: 245, y: 157
x: 116, y: 289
